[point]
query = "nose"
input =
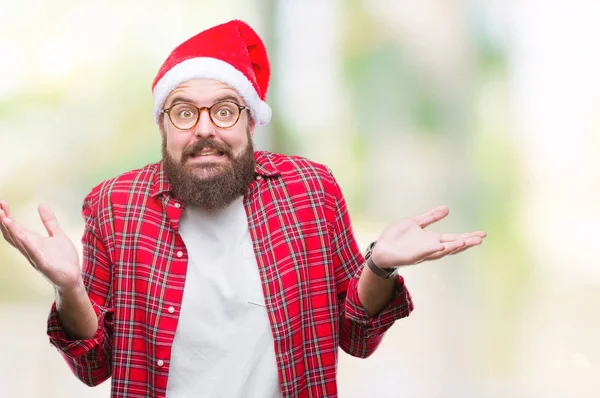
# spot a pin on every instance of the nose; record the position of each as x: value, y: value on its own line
x: 204, y: 128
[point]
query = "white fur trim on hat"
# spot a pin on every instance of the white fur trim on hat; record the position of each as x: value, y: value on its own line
x: 211, y: 68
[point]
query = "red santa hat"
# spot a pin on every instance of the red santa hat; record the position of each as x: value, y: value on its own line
x: 232, y: 53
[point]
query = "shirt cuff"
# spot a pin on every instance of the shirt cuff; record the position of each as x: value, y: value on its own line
x: 399, y: 307
x: 74, y: 348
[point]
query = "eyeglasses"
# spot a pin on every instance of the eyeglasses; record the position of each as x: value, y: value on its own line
x: 223, y: 114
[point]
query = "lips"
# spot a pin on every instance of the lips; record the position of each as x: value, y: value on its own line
x: 208, y: 152
x: 202, y: 148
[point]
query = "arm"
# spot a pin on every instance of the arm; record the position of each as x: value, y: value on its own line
x: 88, y: 354
x: 406, y: 243
x: 374, y: 292
x: 75, y: 313
x: 360, y: 333
x: 369, y: 305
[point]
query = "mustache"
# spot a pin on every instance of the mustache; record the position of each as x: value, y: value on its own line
x: 204, y: 143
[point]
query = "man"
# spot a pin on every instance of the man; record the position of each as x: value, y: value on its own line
x: 222, y: 271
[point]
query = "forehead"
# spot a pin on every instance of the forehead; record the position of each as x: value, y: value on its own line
x: 203, y: 92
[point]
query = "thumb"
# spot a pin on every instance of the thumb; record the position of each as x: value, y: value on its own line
x: 49, y: 219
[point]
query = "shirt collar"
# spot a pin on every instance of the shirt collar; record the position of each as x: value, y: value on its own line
x: 264, y: 165
x: 160, y: 183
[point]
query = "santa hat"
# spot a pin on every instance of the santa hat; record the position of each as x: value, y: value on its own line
x: 231, y: 53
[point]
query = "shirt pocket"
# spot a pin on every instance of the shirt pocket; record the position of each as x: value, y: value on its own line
x: 254, y: 291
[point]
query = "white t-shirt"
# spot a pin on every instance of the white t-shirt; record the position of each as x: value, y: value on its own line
x: 223, y: 346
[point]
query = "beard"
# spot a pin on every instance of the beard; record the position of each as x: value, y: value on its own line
x: 217, y: 190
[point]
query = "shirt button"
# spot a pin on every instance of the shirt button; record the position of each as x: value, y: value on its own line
x: 171, y: 310
x: 160, y: 362
x: 179, y: 254
x: 258, y: 177
x: 177, y: 205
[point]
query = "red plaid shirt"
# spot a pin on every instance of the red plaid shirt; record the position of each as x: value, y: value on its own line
x: 135, y: 261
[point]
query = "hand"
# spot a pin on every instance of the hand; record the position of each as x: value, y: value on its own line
x: 406, y: 242
x: 54, y: 256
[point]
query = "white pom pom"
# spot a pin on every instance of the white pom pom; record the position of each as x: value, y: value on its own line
x: 264, y: 114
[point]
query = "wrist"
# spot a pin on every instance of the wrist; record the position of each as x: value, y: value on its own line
x: 372, y: 265
x: 374, y: 292
x: 72, y: 289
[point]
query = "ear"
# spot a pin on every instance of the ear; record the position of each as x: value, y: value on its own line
x: 251, y: 126
x: 162, y: 127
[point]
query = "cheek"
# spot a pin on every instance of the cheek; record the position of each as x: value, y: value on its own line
x: 238, y: 141
x: 175, y: 147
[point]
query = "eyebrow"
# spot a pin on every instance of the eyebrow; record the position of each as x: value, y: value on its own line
x: 227, y: 97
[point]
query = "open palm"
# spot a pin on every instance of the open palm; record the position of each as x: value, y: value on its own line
x: 54, y: 256
x: 407, y: 242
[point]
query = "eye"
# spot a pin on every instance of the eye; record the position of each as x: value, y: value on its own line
x: 223, y: 113
x: 185, y: 113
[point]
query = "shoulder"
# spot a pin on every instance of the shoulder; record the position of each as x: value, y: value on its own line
x: 296, y: 167
x: 133, y: 183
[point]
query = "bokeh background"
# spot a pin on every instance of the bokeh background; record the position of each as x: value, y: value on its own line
x: 488, y: 106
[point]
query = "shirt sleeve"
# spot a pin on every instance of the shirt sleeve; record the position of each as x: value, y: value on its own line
x: 360, y: 334
x: 89, y: 359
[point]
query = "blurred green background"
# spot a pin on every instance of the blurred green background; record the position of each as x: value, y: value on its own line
x: 488, y: 106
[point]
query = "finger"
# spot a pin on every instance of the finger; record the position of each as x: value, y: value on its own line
x: 458, y: 251
x: 49, y: 219
x: 5, y: 208
x: 24, y: 252
x: 4, y: 229
x: 434, y: 215
x: 18, y: 236
x: 455, y: 247
x: 33, y: 254
x: 11, y: 234
x: 446, y: 237
x: 15, y: 232
x: 5, y: 215
x: 448, y: 248
x: 472, y: 242
x: 7, y: 234
x: 429, y: 251
x: 455, y: 252
x: 451, y: 246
